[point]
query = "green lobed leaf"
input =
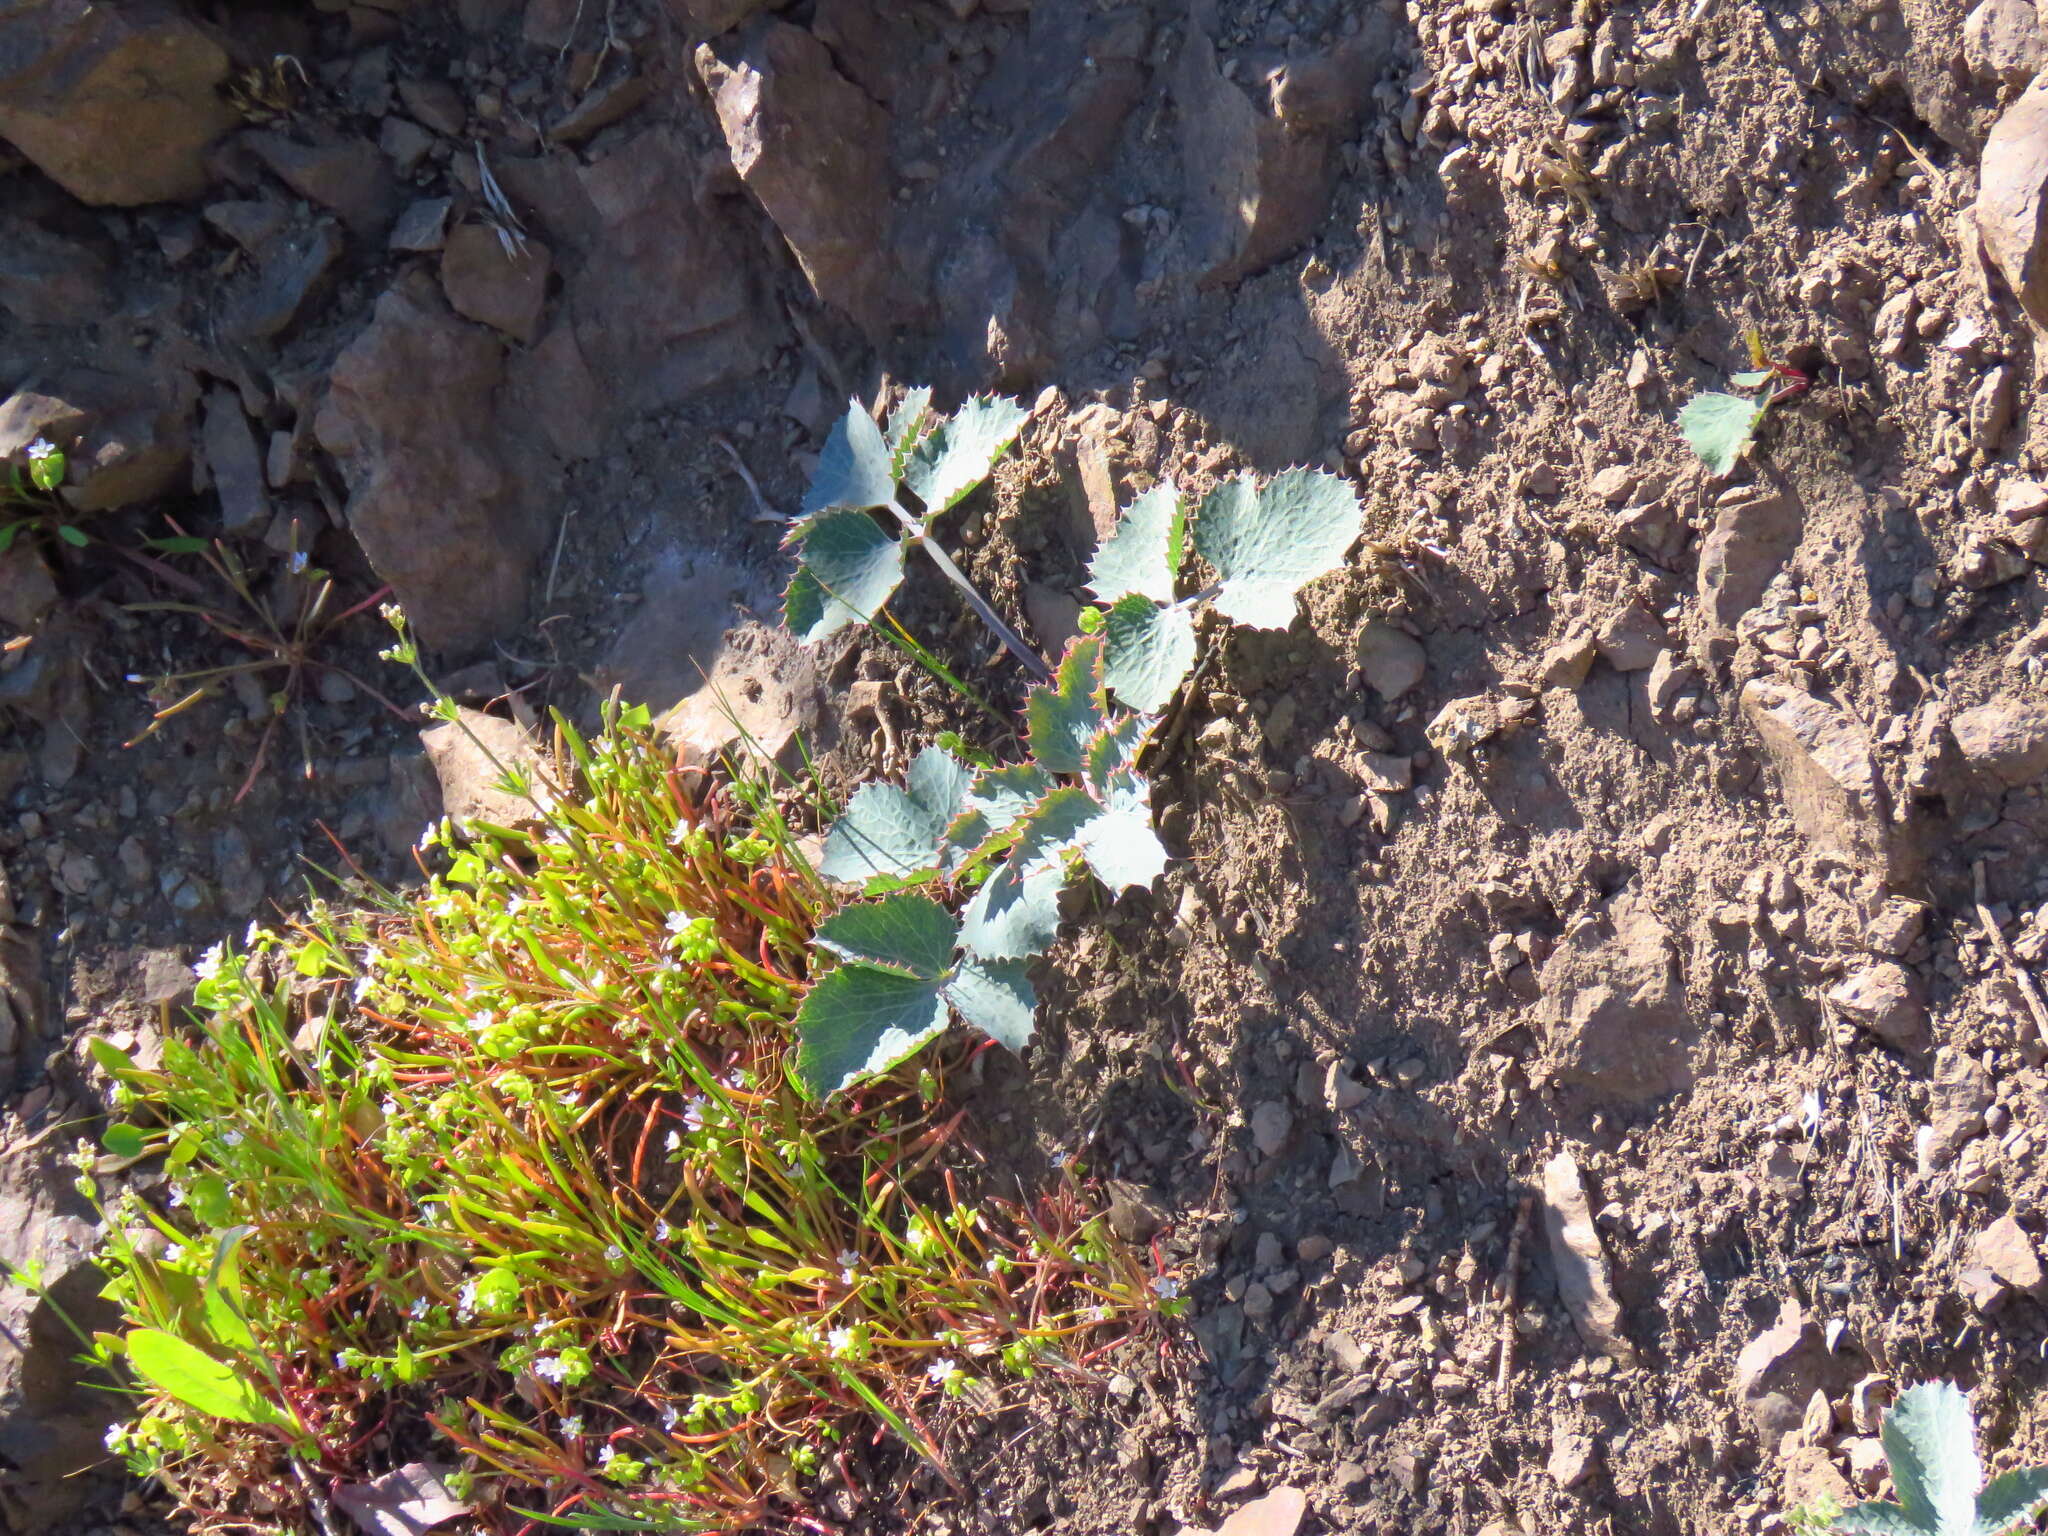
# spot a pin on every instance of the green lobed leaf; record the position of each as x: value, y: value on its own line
x: 959, y: 453
x: 192, y: 1376
x: 1266, y: 545
x: 851, y: 567
x: 1060, y: 721
x: 1116, y: 746
x: 1143, y: 555
x: 1877, y: 1519
x: 996, y: 997
x: 1751, y: 379
x: 2010, y: 1499
x: 1150, y: 650
x: 1931, y: 1446
x: 1719, y: 427
x: 908, y: 424
x: 910, y: 934
x: 855, y: 470
x: 891, y: 831
x: 861, y: 1020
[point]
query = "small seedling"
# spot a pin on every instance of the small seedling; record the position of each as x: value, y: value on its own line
x: 283, y: 637
x: 1930, y: 1444
x: 1720, y: 426
x: 30, y: 502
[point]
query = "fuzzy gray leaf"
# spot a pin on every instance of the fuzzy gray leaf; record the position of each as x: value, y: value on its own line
x: 855, y: 470
x: 958, y: 454
x: 891, y: 831
x: 1267, y: 545
x: 996, y: 997
x: 1149, y: 650
x: 1143, y: 555
x: 1931, y: 1446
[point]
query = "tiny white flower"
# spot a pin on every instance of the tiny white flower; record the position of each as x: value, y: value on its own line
x: 231, y: 1138
x: 614, y: 1252
x: 549, y: 1368
x: 1102, y: 1314
x: 250, y: 935
x: 1165, y: 1287
x: 297, y: 561
x: 941, y: 1371
x: 207, y: 966
x: 467, y: 1299
x: 669, y: 1415
x: 418, y: 1309
x: 839, y: 1340
x: 663, y: 1231
x: 693, y: 1115
x: 677, y: 922
x: 41, y: 448
x: 573, y: 1425
x: 673, y: 1140
x: 1059, y: 1160
x: 173, y: 1253
x: 604, y: 1457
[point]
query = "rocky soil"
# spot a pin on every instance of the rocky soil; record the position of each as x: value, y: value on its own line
x: 1589, y: 1053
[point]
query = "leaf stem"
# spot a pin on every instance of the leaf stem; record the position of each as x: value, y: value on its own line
x: 944, y: 561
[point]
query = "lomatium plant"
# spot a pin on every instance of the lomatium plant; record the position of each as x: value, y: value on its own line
x: 512, y: 1174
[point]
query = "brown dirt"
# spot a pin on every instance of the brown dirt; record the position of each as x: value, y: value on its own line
x: 1600, y: 932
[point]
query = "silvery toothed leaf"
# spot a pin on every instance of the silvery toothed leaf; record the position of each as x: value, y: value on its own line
x: 994, y: 802
x: 2012, y: 1499
x: 851, y: 567
x: 958, y: 454
x: 1879, y: 1519
x: 860, y: 1020
x: 996, y: 997
x: 1116, y: 746
x: 855, y: 470
x: 1266, y: 545
x: 1017, y: 910
x: 1143, y: 555
x: 891, y: 831
x: 903, y: 932
x: 1060, y: 721
x: 908, y: 424
x: 1719, y: 427
x: 1118, y: 842
x: 1150, y: 650
x: 1932, y: 1449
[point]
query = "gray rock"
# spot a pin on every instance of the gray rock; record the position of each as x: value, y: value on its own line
x: 1391, y: 660
x: 471, y: 754
x: 1583, y: 1281
x: 423, y: 226
x: 1780, y: 1369
x: 496, y: 281
x: 233, y: 462
x: 1827, y: 776
x: 348, y: 177
x: 813, y: 148
x: 2002, y: 41
x: 1271, y: 1124
x: 2006, y: 739
x: 1747, y: 545
x: 1611, y: 1008
x: 117, y: 102
x: 2012, y: 199
x: 438, y: 498
x: 127, y: 436
x: 1884, y: 998
x: 290, y: 271
x: 46, y: 279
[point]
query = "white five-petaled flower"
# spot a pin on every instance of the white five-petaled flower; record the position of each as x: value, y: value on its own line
x: 1165, y: 1287
x: 549, y: 1368
x: 207, y: 966
x: 839, y: 1340
x: 573, y: 1425
x: 663, y: 1231
x: 1059, y: 1160
x: 418, y: 1309
x: 669, y: 1415
x: 41, y: 448
x: 613, y: 1252
x: 941, y: 1371
x: 678, y: 921
x: 604, y: 1457
x: 231, y: 1138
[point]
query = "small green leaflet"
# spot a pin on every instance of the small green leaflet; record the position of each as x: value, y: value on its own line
x: 1266, y: 545
x: 1931, y: 1446
x: 891, y: 831
x: 855, y: 470
x: 1719, y: 427
x: 911, y: 934
x: 959, y: 453
x: 2011, y: 1499
x: 192, y: 1376
x: 1751, y: 379
x: 890, y: 996
x: 1150, y: 650
x: 851, y: 567
x: 1060, y: 721
x: 861, y: 1020
x: 1145, y: 552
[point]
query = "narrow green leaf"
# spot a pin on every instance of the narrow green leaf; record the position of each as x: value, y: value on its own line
x: 9, y: 532
x: 1931, y: 1446
x: 996, y: 997
x: 1719, y: 427
x: 911, y: 934
x: 861, y: 1020
x: 851, y: 567
x: 192, y: 1376
x: 1267, y: 545
x: 2011, y: 1499
x: 891, y: 831
x: 854, y: 471
x: 1143, y: 555
x: 959, y: 453
x: 1150, y: 651
x: 1060, y: 721
x: 75, y: 537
